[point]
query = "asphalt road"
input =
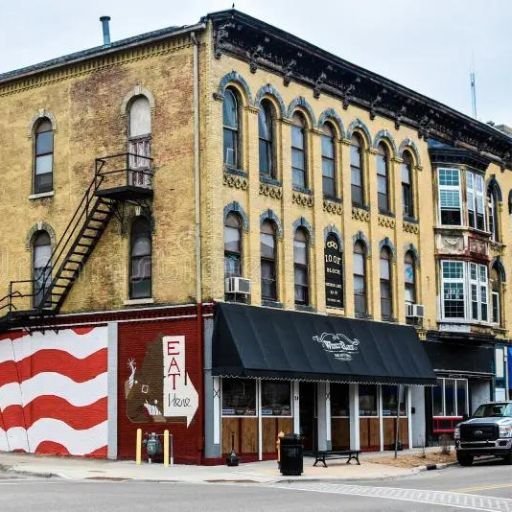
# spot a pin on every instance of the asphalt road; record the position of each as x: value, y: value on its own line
x: 481, y: 487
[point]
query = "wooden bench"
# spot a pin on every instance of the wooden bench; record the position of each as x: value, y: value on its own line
x: 321, y: 456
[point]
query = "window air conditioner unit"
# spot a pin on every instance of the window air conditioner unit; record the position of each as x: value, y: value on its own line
x: 238, y: 285
x: 415, y: 311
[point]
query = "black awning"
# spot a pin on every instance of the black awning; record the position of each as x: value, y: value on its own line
x: 251, y: 341
x: 449, y: 357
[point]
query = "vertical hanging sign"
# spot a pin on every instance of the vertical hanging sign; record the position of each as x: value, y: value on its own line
x: 180, y: 395
x: 333, y: 272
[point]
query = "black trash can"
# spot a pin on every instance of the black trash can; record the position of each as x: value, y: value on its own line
x: 291, y: 455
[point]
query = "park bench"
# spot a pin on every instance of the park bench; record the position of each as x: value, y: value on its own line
x: 321, y: 456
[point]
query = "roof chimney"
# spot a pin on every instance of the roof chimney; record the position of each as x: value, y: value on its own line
x: 106, y: 30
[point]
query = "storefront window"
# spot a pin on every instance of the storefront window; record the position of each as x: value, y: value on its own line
x: 437, y: 400
x: 450, y: 397
x: 275, y: 398
x: 462, y: 394
x: 339, y: 400
x: 368, y: 400
x: 390, y: 398
x: 239, y: 397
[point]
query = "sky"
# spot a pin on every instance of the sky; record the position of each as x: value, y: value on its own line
x: 430, y: 46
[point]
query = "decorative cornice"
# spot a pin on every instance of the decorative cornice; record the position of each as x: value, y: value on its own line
x: 235, y: 181
x: 385, y: 221
x: 237, y: 34
x: 334, y: 207
x: 272, y: 191
x: 360, y: 214
x: 410, y: 227
x: 305, y: 200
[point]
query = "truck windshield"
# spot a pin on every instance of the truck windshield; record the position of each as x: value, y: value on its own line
x: 496, y: 410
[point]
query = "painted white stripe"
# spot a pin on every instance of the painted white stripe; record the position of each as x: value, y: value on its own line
x: 78, y: 345
x: 77, y: 442
x: 50, y: 383
x: 4, y: 445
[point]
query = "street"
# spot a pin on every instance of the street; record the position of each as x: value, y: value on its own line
x: 485, y: 487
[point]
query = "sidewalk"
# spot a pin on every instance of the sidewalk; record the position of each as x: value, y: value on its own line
x: 254, y: 472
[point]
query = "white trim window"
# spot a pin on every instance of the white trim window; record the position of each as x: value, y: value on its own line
x: 475, y: 200
x: 464, y: 291
x: 478, y: 283
x: 450, y: 201
x: 450, y: 398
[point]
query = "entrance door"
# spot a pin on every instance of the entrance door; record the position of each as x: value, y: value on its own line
x: 308, y: 416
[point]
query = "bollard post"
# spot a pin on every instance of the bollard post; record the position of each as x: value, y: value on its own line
x: 166, y: 448
x: 278, y: 445
x: 138, y: 447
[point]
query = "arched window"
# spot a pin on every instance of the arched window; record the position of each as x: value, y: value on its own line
x: 492, y: 213
x: 140, y: 259
x: 231, y: 122
x: 266, y: 118
x: 407, y: 185
x: 233, y: 245
x: 42, y: 271
x: 328, y: 161
x: 301, y: 264
x: 495, y: 295
x: 386, y: 286
x: 43, y: 163
x: 360, y: 291
x: 299, y: 152
x: 383, y: 178
x: 410, y: 278
x: 139, y: 141
x: 268, y: 251
x: 357, y: 170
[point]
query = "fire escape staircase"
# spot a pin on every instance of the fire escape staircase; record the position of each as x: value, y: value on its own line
x: 118, y: 179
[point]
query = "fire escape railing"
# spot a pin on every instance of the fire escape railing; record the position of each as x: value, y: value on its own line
x: 119, y: 170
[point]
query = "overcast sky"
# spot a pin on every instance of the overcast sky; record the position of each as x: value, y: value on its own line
x: 427, y: 45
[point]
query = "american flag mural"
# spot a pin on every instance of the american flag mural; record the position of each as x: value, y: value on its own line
x: 53, y: 392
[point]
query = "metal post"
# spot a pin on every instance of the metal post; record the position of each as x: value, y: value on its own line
x: 166, y: 448
x: 138, y: 447
x: 172, y: 450
x: 397, y: 427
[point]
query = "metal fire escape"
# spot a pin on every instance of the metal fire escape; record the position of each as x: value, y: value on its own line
x: 118, y: 179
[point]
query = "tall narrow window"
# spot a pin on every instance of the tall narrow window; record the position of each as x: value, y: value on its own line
x: 478, y: 287
x: 231, y: 115
x: 299, y: 152
x: 407, y: 186
x: 453, y: 289
x: 139, y: 141
x: 495, y: 296
x: 449, y: 197
x: 328, y: 161
x: 301, y: 271
x: 356, y: 171
x: 266, y: 139
x: 233, y: 246
x: 386, y: 287
x: 475, y: 200
x: 360, y: 293
x: 268, y: 261
x: 140, y: 259
x: 43, y: 165
x: 42, y: 271
x: 492, y: 213
x: 410, y: 278
x: 383, y: 178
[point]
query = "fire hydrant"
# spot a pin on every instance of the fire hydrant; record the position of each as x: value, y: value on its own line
x: 153, y: 446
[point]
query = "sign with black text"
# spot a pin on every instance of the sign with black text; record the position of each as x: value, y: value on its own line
x: 333, y: 272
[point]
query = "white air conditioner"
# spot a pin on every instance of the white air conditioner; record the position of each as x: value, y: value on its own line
x: 415, y: 311
x: 238, y: 285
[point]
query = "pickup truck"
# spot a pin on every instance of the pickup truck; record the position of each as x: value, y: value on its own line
x: 487, y: 432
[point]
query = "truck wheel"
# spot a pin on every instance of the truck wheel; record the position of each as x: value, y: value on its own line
x: 464, y: 459
x: 508, y: 458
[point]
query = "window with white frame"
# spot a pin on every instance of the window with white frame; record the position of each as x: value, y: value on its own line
x: 450, y: 397
x: 475, y: 200
x: 465, y: 294
x: 450, y: 204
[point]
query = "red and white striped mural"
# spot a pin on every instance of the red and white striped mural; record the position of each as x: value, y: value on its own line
x: 53, y: 392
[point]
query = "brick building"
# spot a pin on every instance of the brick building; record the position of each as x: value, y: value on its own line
x: 163, y: 177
